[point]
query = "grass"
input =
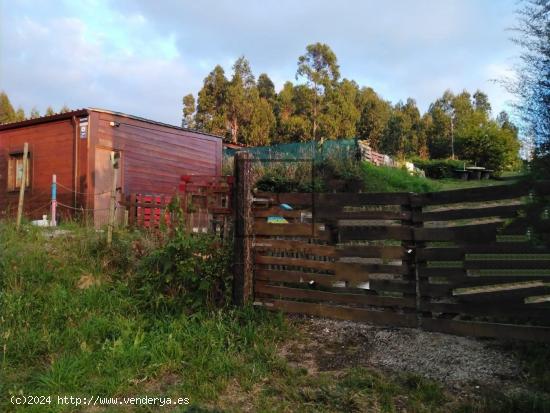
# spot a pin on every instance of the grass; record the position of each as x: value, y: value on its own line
x: 386, y: 179
x: 71, y: 324
x: 57, y: 338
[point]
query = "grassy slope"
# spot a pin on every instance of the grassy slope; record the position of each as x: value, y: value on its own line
x: 70, y: 325
x: 386, y: 179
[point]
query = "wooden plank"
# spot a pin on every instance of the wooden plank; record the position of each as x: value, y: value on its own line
x: 496, y: 330
x: 349, y: 233
x: 335, y: 213
x: 299, y: 247
x: 513, y: 295
x: 458, y: 253
x: 264, y: 213
x: 300, y: 277
x: 497, y: 288
x: 371, y: 251
x: 506, y: 211
x: 393, y: 286
x: 292, y: 198
x: 334, y: 297
x: 345, y: 313
x: 291, y: 230
x: 476, y: 234
x: 496, y: 309
x: 507, y: 264
x: 294, y: 262
x: 472, y: 195
x: 452, y: 273
x: 332, y: 201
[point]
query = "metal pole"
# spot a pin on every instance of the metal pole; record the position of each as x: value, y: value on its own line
x: 113, y: 200
x: 53, y: 221
x: 23, y: 185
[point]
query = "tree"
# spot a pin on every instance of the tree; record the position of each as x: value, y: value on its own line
x: 262, y: 122
x: 49, y: 111
x: 532, y: 82
x: 241, y: 97
x: 211, y: 104
x: 491, y: 147
x: 340, y: 115
x: 374, y: 118
x: 34, y: 113
x: 292, y: 112
x: 266, y: 88
x: 481, y: 103
x: 19, y: 114
x: 187, y: 120
x: 320, y: 68
x: 7, y: 113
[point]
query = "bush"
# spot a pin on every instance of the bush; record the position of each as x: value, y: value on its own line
x: 189, y: 271
x: 439, y: 168
x: 386, y: 179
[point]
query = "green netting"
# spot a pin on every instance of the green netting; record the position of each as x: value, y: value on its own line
x: 342, y: 148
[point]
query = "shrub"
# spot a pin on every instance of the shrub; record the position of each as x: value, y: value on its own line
x: 189, y: 271
x: 386, y: 179
x: 439, y: 168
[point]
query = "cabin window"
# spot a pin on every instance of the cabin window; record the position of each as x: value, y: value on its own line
x: 15, y: 171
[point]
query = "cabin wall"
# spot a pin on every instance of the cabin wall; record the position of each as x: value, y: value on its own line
x: 52, y: 151
x: 153, y: 157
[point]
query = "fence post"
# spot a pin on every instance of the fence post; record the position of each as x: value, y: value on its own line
x: 417, y: 222
x: 242, y: 250
x: 53, y: 221
x: 23, y: 185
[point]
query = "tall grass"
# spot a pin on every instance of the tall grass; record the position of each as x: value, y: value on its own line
x: 70, y: 323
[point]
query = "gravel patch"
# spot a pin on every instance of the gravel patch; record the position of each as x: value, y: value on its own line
x: 327, y: 345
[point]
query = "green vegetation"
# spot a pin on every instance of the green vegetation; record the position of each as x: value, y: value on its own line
x: 348, y: 174
x: 8, y: 114
x: 80, y: 319
x: 386, y: 179
x: 72, y: 323
x: 325, y: 107
x: 439, y: 168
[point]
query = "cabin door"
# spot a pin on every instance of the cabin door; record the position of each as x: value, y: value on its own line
x: 103, y: 180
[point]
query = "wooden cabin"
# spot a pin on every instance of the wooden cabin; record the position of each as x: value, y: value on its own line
x: 77, y: 147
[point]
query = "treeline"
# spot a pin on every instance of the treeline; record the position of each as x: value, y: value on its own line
x: 8, y: 114
x: 323, y: 106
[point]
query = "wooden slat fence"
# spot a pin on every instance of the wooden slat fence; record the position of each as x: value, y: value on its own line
x: 464, y: 262
x: 340, y: 255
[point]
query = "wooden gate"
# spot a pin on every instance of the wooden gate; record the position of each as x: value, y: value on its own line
x: 471, y: 262
x: 343, y: 256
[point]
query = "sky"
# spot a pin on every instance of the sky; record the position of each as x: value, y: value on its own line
x: 141, y: 56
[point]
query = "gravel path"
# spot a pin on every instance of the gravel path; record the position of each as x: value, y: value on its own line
x: 326, y: 345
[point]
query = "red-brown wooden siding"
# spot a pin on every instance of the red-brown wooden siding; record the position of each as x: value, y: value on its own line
x: 51, y: 147
x: 155, y: 156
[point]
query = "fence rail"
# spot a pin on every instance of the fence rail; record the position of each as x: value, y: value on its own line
x: 463, y: 262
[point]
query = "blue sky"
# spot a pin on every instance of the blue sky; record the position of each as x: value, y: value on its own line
x: 142, y: 56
